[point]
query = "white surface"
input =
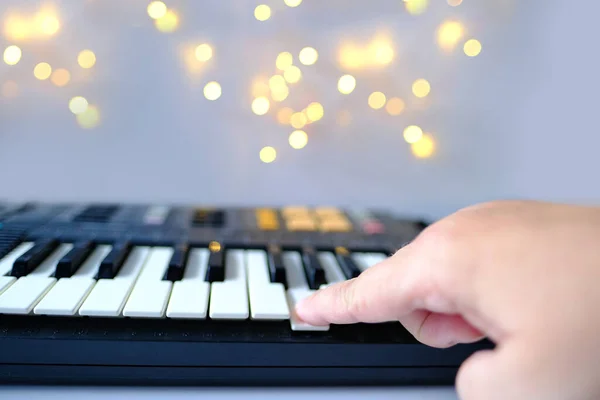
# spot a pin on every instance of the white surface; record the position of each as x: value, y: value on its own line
x: 267, y: 299
x: 93, y: 393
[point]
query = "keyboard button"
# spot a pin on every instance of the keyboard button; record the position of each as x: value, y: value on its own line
x: 177, y: 264
x: 68, y: 265
x: 296, y: 278
x: 23, y: 295
x: 6, y: 263
x: 365, y: 261
x: 189, y: 297
x: 229, y: 299
x: 5, y: 282
x: 216, y: 266
x: 65, y: 297
x: 267, y: 219
x: 275, y: 265
x: 113, y: 262
x: 333, y: 272
x: 48, y: 266
x: 294, y: 297
x: 108, y: 297
x: 346, y: 263
x: 267, y: 299
x: 313, y: 269
x: 33, y: 257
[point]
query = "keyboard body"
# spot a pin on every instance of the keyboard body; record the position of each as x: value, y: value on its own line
x: 183, y: 295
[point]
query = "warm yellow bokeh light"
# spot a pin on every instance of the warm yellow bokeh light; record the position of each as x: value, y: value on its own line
x: 395, y: 106
x: 260, y: 106
x: 212, y: 91
x: 268, y: 154
x: 284, y: 60
x: 167, y: 23
x: 416, y: 7
x: 260, y: 88
x: 78, y: 105
x: 455, y: 3
x: 292, y: 74
x: 90, y: 118
x: 276, y: 82
x: 280, y: 93
x: 314, y: 111
x: 10, y: 89
x: 472, y: 48
x: 298, y: 120
x: 449, y: 34
x: 376, y: 100
x: 413, y: 134
x: 262, y: 12
x: 424, y: 148
x: 60, y: 77
x: 346, y: 84
x: 86, y: 59
x: 156, y: 9
x: 203, y: 52
x: 42, y: 71
x: 292, y: 3
x: 49, y: 25
x: 308, y: 56
x: 284, y: 115
x: 12, y: 55
x: 298, y: 139
x: 421, y: 88
x: 42, y: 24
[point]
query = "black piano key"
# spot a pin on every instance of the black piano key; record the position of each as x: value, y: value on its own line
x: 216, y: 263
x: 33, y: 257
x: 177, y: 264
x: 112, y: 263
x: 315, y: 273
x: 347, y: 264
x: 69, y: 264
x: 276, y: 267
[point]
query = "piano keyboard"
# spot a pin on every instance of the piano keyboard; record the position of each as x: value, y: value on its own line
x: 107, y: 278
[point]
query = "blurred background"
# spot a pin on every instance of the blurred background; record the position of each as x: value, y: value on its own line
x: 418, y: 106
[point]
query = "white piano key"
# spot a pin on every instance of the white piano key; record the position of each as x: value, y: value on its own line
x: 23, y: 295
x: 229, y: 299
x: 6, y: 263
x: 89, y: 268
x: 189, y: 299
x: 108, y: 297
x: 267, y: 299
x: 294, y: 270
x: 65, y: 297
x: 365, y: 261
x: 148, y: 299
x: 294, y: 296
x: 5, y: 282
x: 48, y: 266
x: 150, y: 294
x: 333, y: 272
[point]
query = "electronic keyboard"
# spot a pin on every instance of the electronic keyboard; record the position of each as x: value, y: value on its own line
x: 183, y: 295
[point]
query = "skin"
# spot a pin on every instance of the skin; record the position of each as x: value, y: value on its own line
x: 524, y: 274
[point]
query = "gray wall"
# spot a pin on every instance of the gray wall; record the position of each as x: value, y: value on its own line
x: 517, y: 121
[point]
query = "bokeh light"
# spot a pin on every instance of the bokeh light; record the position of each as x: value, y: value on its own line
x: 167, y: 23
x: 298, y: 120
x: 376, y: 100
x: 308, y: 56
x: 298, y: 139
x: 12, y: 55
x: 260, y: 106
x: 284, y: 60
x: 423, y: 148
x: 203, y: 52
x: 314, y: 111
x: 42, y: 71
x: 472, y: 48
x: 292, y: 74
x: 60, y: 77
x: 416, y: 7
x: 156, y: 9
x: 262, y: 12
x: 284, y: 115
x: 421, y: 88
x: 86, y: 59
x: 212, y: 90
x: 346, y: 84
x: 90, y: 118
x: 455, y: 3
x: 395, y: 106
x: 413, y: 134
x: 292, y: 3
x: 268, y: 154
x: 449, y: 34
x: 78, y: 105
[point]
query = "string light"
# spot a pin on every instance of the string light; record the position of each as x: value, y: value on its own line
x: 449, y: 34
x: 292, y: 74
x: 423, y: 148
x: 90, y: 118
x: 376, y: 100
x: 292, y: 3
x: 78, y: 105
x: 12, y: 55
x: 416, y: 7
x: 42, y: 71
x: 203, y: 52
x: 284, y: 60
x: 156, y: 9
x: 260, y: 106
x: 268, y: 154
x: 167, y: 23
x: 308, y: 56
x: 60, y: 77
x: 421, y: 88
x: 395, y: 106
x: 86, y: 59
x: 262, y: 12
x: 280, y: 93
x: 346, y: 84
x: 212, y: 91
x: 298, y: 120
x: 413, y: 134
x: 472, y: 48
x: 298, y: 139
x: 314, y: 112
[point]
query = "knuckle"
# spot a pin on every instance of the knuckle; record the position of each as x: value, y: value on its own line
x: 353, y: 302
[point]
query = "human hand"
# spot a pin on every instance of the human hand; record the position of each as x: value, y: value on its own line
x: 525, y: 275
